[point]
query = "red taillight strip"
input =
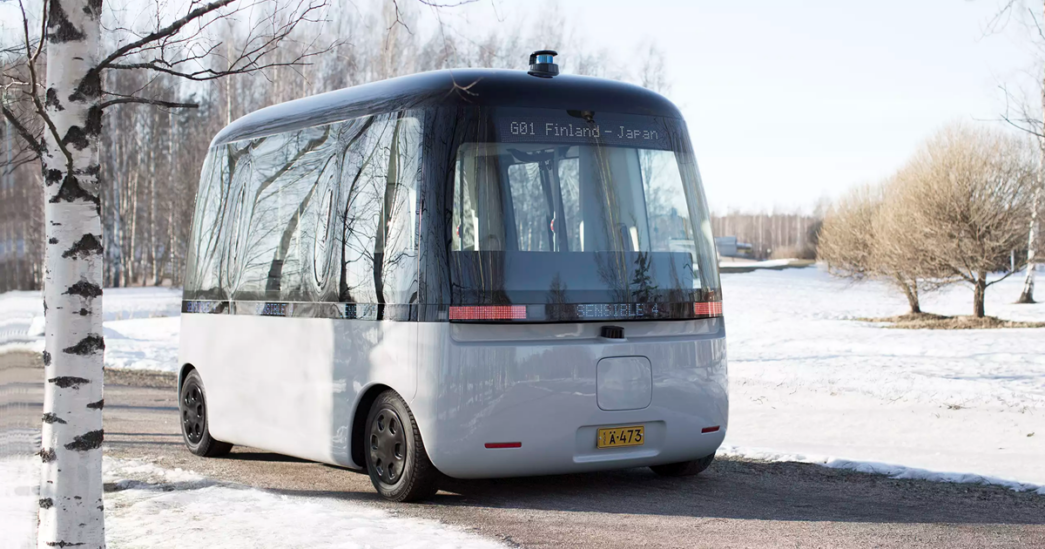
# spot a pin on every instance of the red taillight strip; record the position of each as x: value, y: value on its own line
x: 708, y: 308
x: 488, y: 312
x: 709, y: 429
x: 504, y: 445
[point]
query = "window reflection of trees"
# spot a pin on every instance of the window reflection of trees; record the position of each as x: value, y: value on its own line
x: 203, y: 278
x: 273, y: 211
x: 287, y: 170
x: 628, y: 207
x: 324, y: 217
x: 240, y: 172
x: 378, y: 220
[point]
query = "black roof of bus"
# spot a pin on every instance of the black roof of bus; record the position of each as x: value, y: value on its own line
x: 464, y: 87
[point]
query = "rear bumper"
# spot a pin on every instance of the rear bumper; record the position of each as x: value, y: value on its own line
x: 557, y: 448
x: 543, y: 395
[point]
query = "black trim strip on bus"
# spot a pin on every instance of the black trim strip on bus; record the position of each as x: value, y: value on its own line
x: 535, y: 313
x: 302, y: 309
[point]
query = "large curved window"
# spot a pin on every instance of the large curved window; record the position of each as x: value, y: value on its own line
x: 574, y: 208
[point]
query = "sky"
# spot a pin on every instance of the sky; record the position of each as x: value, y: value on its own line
x: 791, y: 102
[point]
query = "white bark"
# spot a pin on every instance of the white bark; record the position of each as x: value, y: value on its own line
x: 71, y: 511
x: 1027, y: 295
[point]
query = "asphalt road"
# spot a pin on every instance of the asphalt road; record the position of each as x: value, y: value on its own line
x: 736, y: 503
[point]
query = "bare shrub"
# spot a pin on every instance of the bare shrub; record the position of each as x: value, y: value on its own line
x: 962, y: 205
x: 847, y: 234
x: 896, y: 254
x: 856, y: 242
x: 848, y: 242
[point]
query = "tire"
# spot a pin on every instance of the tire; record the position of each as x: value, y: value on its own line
x: 396, y: 459
x: 685, y: 468
x: 192, y: 407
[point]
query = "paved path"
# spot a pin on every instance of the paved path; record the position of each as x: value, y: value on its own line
x: 735, y: 503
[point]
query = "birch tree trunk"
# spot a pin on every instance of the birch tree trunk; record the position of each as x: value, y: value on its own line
x: 71, y: 510
x: 151, y: 226
x: 130, y: 254
x: 1027, y: 295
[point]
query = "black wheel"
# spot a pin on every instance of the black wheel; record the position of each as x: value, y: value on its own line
x: 193, y: 407
x: 395, y: 454
x: 685, y: 468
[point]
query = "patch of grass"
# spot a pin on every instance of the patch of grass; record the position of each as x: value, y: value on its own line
x: 908, y: 317
x: 930, y: 321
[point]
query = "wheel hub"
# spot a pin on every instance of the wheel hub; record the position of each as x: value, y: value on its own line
x: 193, y: 413
x: 387, y: 446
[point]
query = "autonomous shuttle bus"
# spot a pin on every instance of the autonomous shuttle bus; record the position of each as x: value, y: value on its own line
x: 469, y: 273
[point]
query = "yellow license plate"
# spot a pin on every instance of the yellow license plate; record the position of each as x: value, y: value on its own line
x: 621, y: 436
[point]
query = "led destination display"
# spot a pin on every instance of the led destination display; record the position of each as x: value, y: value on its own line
x: 582, y: 127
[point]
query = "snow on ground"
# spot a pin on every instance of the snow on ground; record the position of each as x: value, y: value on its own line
x: 141, y: 326
x: 19, y: 477
x: 143, y: 344
x: 151, y: 506
x: 807, y: 380
x: 157, y: 507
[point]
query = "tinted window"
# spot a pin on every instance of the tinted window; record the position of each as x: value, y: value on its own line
x: 238, y: 208
x: 378, y: 211
x: 312, y: 215
x: 277, y: 217
x: 203, y: 280
x: 571, y: 207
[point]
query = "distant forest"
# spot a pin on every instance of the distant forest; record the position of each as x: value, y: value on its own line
x: 772, y: 234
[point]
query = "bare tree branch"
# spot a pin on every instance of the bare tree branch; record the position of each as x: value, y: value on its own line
x: 204, y: 74
x: 250, y: 59
x: 398, y: 19
x: 1001, y: 18
x: 431, y: 4
x: 23, y: 132
x: 159, y: 34
x: 43, y: 33
x: 1025, y: 122
x: 147, y: 101
x: 1037, y: 25
x: 34, y: 83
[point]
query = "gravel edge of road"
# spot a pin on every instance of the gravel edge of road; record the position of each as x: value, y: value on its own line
x: 141, y: 378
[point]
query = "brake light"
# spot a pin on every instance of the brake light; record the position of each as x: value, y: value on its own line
x: 708, y: 308
x: 504, y: 445
x: 709, y: 429
x: 488, y: 312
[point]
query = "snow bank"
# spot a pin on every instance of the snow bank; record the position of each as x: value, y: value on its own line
x: 890, y: 470
x: 21, y: 321
x: 129, y: 303
x: 141, y: 326
x: 143, y: 344
x: 156, y: 507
